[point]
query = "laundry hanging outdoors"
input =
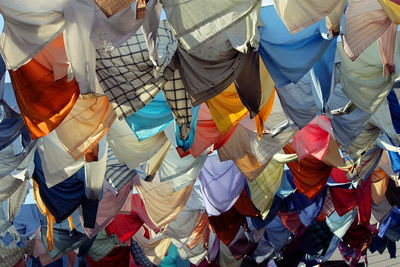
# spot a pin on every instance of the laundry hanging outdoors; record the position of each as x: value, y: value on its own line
x: 199, y: 132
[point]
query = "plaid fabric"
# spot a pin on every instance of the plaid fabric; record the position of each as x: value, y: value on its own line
x: 179, y: 102
x: 9, y: 256
x: 350, y: 255
x: 127, y: 75
x: 317, y: 237
x: 328, y: 205
x: 138, y: 255
x: 102, y: 245
x: 117, y: 173
x: 111, y: 7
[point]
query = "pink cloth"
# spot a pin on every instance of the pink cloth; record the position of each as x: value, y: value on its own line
x: 109, y: 206
x: 313, y: 139
x: 140, y: 210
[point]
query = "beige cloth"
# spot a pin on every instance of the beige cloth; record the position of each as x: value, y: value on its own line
x: 264, y: 187
x: 88, y: 121
x: 154, y: 248
x: 363, y: 80
x: 161, y: 202
x: 365, y: 22
x: 129, y: 150
x: 298, y: 15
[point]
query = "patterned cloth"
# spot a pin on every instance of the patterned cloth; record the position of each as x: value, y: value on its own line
x: 350, y: 256
x: 117, y: 173
x: 128, y: 76
x: 328, y: 205
x: 111, y: 7
x: 138, y: 255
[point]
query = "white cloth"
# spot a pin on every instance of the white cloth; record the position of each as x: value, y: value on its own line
x: 127, y: 147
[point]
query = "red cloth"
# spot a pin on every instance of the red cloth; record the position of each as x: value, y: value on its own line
x: 227, y: 225
x: 313, y: 139
x: 310, y: 174
x: 345, y: 200
x: 124, y: 226
x: 339, y: 176
x: 291, y: 221
x: 118, y: 257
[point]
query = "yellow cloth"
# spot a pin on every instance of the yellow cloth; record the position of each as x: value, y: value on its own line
x: 226, y: 109
x: 161, y: 202
x: 264, y: 187
x: 88, y: 121
x: 392, y: 10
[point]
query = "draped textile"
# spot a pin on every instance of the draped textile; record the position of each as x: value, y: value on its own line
x: 41, y: 79
x: 221, y: 185
x: 214, y: 19
x: 289, y: 57
x: 227, y: 225
x: 366, y: 21
x: 310, y: 174
x: 363, y: 80
x: 265, y: 186
x: 161, y: 202
x: 87, y: 122
x: 124, y: 144
x: 128, y: 76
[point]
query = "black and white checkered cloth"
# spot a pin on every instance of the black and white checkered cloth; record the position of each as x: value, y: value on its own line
x: 130, y: 80
x: 127, y: 75
x: 179, y: 102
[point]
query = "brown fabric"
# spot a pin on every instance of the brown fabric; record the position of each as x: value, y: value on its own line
x: 111, y: 7
x: 310, y: 174
x: 249, y: 89
x: 227, y: 225
x: 250, y: 166
x: 393, y: 193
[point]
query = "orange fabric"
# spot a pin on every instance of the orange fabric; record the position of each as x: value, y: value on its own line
x: 310, y: 174
x: 44, y: 103
x: 262, y: 116
x: 379, y: 183
x: 250, y: 166
x: 207, y: 134
x: 199, y: 231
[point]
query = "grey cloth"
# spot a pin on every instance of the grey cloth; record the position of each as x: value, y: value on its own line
x: 211, y: 66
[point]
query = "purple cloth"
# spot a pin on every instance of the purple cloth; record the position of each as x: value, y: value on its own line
x: 221, y: 184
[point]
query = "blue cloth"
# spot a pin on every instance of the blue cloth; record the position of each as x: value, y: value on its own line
x: 322, y: 74
x: 155, y: 117
x: 395, y: 160
x: 394, y: 108
x: 391, y: 226
x: 289, y: 57
x: 172, y: 259
x: 151, y: 119
x: 27, y: 221
x: 277, y: 234
x: 186, y: 144
x: 64, y: 198
x: 287, y: 186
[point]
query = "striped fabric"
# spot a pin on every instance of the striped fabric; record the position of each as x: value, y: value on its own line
x: 387, y: 46
x: 117, y: 173
x: 264, y: 187
x: 365, y: 22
